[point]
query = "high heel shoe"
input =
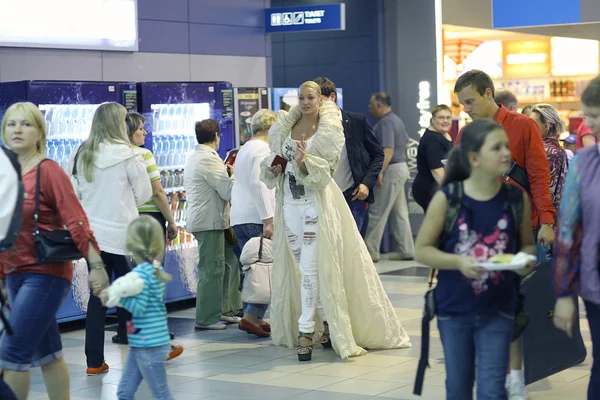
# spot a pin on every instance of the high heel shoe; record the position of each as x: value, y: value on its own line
x: 326, y: 337
x: 305, y: 352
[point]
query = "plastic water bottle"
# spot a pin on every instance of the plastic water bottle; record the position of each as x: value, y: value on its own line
x: 158, y: 150
x: 60, y: 155
x: 180, y: 151
x: 52, y: 149
x: 69, y: 147
x: 191, y: 146
x: 171, y: 153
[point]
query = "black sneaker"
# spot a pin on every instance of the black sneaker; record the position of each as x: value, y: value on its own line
x: 120, y: 340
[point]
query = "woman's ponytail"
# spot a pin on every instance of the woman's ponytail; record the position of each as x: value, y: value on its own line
x: 457, y: 167
x: 146, y: 242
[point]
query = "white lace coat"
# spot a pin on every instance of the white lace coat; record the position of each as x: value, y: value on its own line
x: 360, y: 314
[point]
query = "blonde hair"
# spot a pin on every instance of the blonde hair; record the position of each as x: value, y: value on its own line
x: 549, y: 115
x: 263, y: 120
x: 108, y: 126
x: 311, y: 85
x: 440, y: 107
x: 146, y: 241
x: 34, y: 116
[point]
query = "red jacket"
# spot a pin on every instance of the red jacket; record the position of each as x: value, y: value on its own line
x: 527, y: 149
x: 59, y: 207
x: 582, y: 131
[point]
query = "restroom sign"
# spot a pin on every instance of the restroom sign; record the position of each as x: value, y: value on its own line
x: 312, y: 18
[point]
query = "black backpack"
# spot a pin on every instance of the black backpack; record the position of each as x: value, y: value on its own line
x: 17, y: 218
x: 514, y: 203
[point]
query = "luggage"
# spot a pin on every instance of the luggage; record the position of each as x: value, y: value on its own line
x: 547, y: 350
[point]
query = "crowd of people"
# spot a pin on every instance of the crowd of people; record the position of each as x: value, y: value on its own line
x: 305, y: 182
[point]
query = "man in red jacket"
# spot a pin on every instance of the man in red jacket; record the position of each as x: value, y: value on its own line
x: 475, y: 91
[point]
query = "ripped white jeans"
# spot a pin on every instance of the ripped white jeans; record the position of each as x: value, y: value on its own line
x: 301, y: 225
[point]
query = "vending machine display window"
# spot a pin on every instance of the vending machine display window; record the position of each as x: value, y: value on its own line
x: 67, y: 126
x: 173, y: 132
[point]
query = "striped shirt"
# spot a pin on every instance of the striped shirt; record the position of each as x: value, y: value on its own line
x: 154, y: 174
x: 148, y: 311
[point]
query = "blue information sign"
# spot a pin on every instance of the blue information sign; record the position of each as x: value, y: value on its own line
x: 521, y: 14
x: 330, y: 17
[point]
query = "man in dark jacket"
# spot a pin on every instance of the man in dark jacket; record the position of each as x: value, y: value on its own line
x: 361, y: 158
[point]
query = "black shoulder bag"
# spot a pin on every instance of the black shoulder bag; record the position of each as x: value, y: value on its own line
x: 519, y: 175
x: 51, y: 246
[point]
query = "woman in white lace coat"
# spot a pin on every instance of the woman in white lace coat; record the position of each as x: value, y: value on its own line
x: 320, y: 260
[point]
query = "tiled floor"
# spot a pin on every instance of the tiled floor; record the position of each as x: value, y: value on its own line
x: 232, y: 365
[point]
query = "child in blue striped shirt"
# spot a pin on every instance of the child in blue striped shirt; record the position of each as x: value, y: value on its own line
x: 147, y: 332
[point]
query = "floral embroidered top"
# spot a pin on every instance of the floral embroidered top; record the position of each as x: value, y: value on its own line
x: 567, y: 258
x: 483, y: 230
x: 558, y: 162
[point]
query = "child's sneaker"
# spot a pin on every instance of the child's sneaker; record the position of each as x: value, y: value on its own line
x: 97, y: 370
x: 515, y: 386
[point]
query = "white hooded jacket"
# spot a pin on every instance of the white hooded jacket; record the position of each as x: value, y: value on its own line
x: 120, y: 185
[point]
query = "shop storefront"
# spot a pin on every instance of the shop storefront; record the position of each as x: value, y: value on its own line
x: 537, y: 69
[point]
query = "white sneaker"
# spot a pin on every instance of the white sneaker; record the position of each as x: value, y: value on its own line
x: 230, y: 320
x: 214, y: 327
x: 516, y: 388
x: 232, y: 317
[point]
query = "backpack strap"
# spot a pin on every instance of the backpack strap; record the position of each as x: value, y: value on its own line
x: 514, y: 203
x: 455, y: 203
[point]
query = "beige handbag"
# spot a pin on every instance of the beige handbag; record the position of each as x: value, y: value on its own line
x: 256, y: 288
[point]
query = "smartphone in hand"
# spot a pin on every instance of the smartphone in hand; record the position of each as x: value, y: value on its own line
x: 278, y: 160
x: 231, y: 156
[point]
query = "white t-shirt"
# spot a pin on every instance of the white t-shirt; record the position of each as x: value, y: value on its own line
x: 293, y: 191
x: 251, y: 201
x: 8, y: 192
x: 343, y: 174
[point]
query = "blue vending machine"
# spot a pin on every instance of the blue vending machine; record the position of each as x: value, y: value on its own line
x: 68, y: 108
x: 171, y: 111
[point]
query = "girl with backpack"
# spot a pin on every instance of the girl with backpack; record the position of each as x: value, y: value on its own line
x: 472, y: 218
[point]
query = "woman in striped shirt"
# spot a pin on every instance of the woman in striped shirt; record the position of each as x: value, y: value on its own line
x: 148, y: 332
x: 158, y: 205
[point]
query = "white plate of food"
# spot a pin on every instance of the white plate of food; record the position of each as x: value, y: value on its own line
x: 508, y: 262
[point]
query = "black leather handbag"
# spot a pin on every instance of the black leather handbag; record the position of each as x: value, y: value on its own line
x: 51, y: 246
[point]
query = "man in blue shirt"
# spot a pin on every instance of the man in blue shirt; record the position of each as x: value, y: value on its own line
x: 391, y: 132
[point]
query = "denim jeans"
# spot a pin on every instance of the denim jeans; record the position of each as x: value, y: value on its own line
x: 476, y: 346
x: 302, y: 231
x: 34, y: 300
x: 145, y: 363
x: 243, y: 233
x: 359, y: 210
x: 593, y: 316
